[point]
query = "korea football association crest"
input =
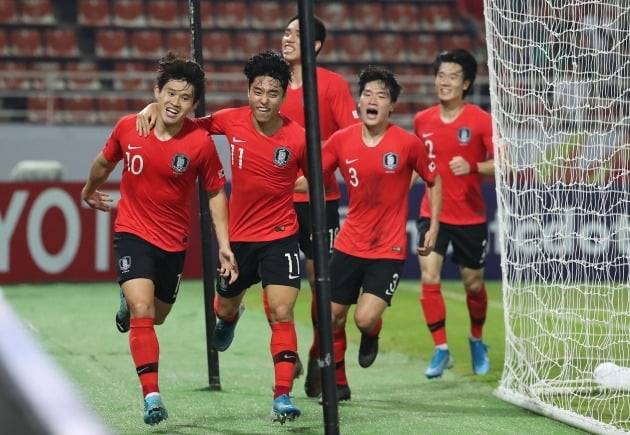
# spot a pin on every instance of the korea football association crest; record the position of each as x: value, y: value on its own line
x: 281, y: 156
x: 390, y: 161
x: 180, y: 163
x: 463, y: 136
x: 124, y: 263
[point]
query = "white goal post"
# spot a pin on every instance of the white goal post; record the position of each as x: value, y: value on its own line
x: 560, y: 96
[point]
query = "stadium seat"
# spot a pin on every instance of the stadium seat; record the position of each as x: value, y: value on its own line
x: 354, y: 47
x: 178, y: 41
x: 48, y: 76
x: 336, y: 15
x: 232, y: 14
x: 454, y: 41
x: 389, y: 47
x: 111, y: 108
x: 61, y: 42
x: 5, y: 45
x: 411, y: 79
x: 82, y: 75
x: 26, y: 42
x: 218, y: 45
x: 9, y: 13
x: 37, y: 12
x: 402, y: 16
x: 93, y: 13
x: 438, y: 16
x: 43, y: 109
x: 128, y: 13
x: 111, y: 43
x: 328, y: 53
x: 79, y: 110
x: 146, y: 44
x: 247, y: 44
x: 164, y: 13
x: 422, y: 47
x: 130, y: 76
x: 206, y: 10
x: 267, y: 15
x: 13, y: 75
x: 218, y: 103
x: 231, y: 78
x: 368, y: 16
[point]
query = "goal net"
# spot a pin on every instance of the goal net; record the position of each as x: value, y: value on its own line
x: 560, y: 93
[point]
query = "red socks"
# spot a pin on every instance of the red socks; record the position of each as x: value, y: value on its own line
x: 434, y: 309
x: 339, y: 348
x: 477, y: 308
x: 284, y: 352
x: 145, y: 351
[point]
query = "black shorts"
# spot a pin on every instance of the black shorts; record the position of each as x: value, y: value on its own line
x: 303, y: 211
x: 348, y: 274
x: 137, y: 258
x: 275, y: 262
x: 470, y: 242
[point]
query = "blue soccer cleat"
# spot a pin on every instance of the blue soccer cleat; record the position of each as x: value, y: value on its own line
x: 224, y: 332
x: 283, y: 410
x: 479, y: 354
x: 154, y: 410
x: 123, y: 316
x: 441, y: 360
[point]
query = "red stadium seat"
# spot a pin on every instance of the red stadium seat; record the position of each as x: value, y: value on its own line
x: 178, y: 41
x: 389, y: 47
x: 231, y: 79
x: 206, y: 10
x: 131, y: 76
x: 146, y: 44
x: 13, y: 75
x: 422, y: 47
x: 82, y: 75
x: 461, y: 41
x: 249, y: 43
x: 37, y: 11
x: 328, y: 53
x: 413, y: 79
x: 335, y: 15
x: 111, y: 43
x: 231, y: 14
x: 164, y: 13
x: 354, y: 47
x: 93, y: 13
x: 5, y: 45
x: 26, y: 42
x: 128, y: 13
x: 368, y: 16
x: 111, y: 108
x: 402, y: 16
x: 79, y: 110
x: 48, y: 76
x: 9, y: 12
x: 218, y: 45
x: 61, y: 42
x: 439, y: 16
x: 267, y: 15
x: 218, y: 102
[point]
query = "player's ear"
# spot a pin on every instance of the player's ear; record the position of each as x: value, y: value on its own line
x: 156, y: 92
x: 318, y: 46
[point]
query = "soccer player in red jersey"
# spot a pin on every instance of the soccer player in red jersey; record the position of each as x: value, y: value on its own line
x: 377, y: 160
x: 152, y: 226
x: 267, y: 150
x: 337, y: 110
x: 458, y: 136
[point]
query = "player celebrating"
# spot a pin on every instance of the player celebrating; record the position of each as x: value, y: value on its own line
x: 336, y: 110
x: 376, y: 159
x: 267, y: 150
x: 459, y: 137
x: 153, y: 222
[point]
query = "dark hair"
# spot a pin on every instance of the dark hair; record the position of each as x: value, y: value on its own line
x: 171, y: 67
x: 268, y: 63
x: 464, y: 59
x: 319, y: 29
x: 374, y: 73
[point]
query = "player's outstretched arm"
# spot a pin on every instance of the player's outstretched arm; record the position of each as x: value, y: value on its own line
x: 146, y: 119
x: 218, y: 205
x: 99, y: 172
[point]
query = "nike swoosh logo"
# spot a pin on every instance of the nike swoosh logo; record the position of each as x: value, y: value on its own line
x: 235, y: 140
x: 131, y: 147
x: 426, y: 135
x: 348, y: 161
x: 293, y: 276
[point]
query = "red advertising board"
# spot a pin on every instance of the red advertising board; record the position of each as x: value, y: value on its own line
x: 48, y: 234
